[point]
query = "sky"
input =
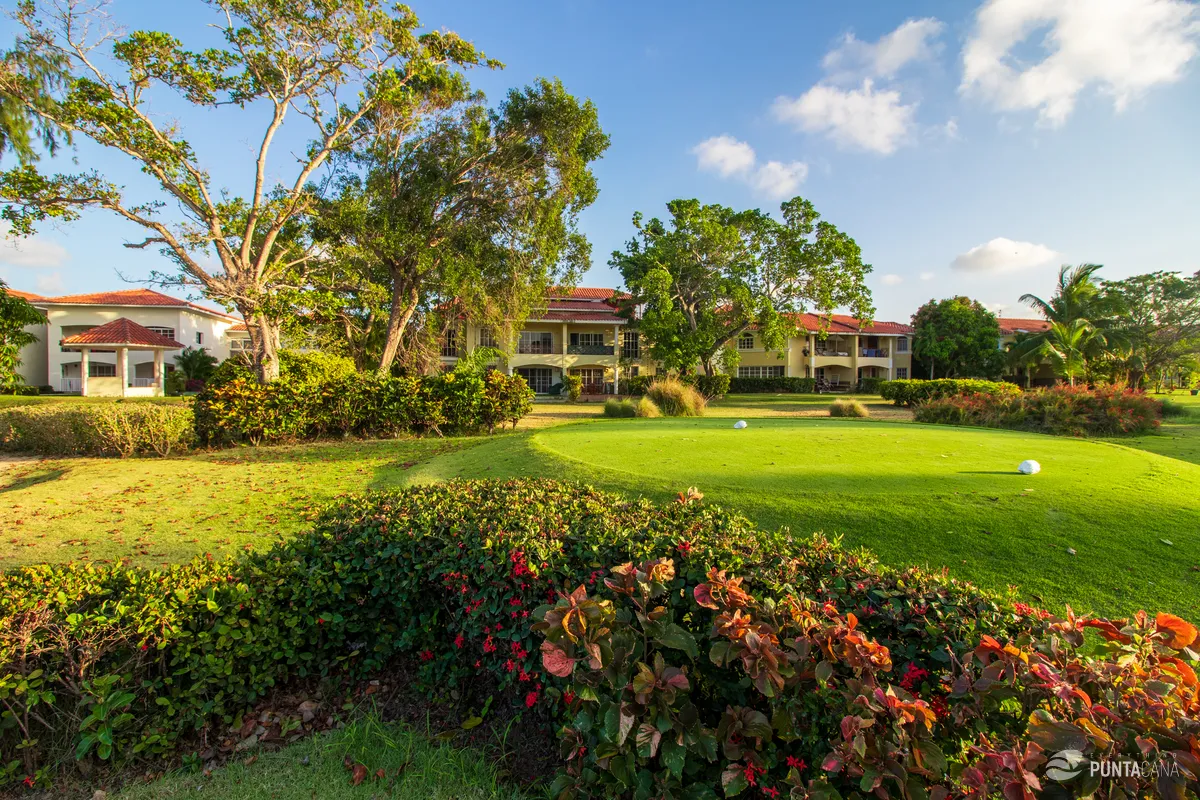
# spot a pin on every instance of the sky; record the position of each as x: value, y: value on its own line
x: 968, y: 147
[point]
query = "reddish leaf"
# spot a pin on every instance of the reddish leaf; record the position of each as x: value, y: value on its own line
x: 703, y: 595
x: 1183, y: 632
x: 556, y: 661
x: 358, y: 774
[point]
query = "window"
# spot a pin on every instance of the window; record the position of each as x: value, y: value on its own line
x: 167, y: 332
x: 199, y: 337
x: 633, y: 371
x: 761, y: 372
x: 101, y: 370
x: 901, y: 344
x: 820, y: 373
x: 534, y: 343
x: 240, y: 345
x: 538, y: 378
x: 593, y: 379
x: 450, y: 344
x: 587, y: 339
x: 746, y: 341
x: 487, y: 338
x: 901, y: 373
x: 631, y: 345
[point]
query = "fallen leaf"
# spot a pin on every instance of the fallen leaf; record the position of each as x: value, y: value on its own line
x: 358, y: 774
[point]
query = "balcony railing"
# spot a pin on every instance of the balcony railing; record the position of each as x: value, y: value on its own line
x: 873, y: 352
x: 535, y: 348
x: 589, y: 350
x: 830, y: 351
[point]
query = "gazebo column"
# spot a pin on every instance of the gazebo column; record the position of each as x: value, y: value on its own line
x: 159, y: 377
x: 83, y: 370
x: 123, y: 368
x: 617, y: 359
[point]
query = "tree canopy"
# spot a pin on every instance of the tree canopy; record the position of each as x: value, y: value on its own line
x: 1158, y: 319
x: 709, y: 273
x: 327, y: 64
x: 16, y: 314
x: 957, y: 338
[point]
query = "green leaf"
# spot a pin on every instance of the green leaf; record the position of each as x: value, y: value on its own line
x: 471, y: 722
x: 677, y: 638
x: 932, y: 757
x: 673, y: 755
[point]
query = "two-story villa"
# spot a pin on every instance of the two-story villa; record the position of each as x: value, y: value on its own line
x: 121, y: 343
x: 580, y: 333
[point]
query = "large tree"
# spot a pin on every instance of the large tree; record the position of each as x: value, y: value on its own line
x: 1158, y: 318
x: 16, y: 314
x: 709, y: 273
x: 474, y: 215
x: 957, y: 338
x: 327, y: 64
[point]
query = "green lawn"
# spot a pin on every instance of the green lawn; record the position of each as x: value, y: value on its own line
x: 413, y: 767
x: 914, y: 494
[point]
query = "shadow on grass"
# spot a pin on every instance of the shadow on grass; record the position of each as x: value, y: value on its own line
x: 1008, y: 472
x: 33, y: 479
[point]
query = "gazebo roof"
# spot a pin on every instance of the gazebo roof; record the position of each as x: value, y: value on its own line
x: 122, y: 333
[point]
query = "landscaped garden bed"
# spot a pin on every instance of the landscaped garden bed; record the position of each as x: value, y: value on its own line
x: 551, y: 593
x: 1061, y: 410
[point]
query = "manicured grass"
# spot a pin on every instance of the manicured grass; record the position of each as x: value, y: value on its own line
x: 413, y: 765
x: 1179, y: 437
x: 914, y: 494
x: 12, y: 401
x: 162, y: 510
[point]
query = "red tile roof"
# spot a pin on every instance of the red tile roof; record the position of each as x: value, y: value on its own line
x: 122, y: 332
x: 130, y: 297
x: 843, y: 323
x: 1011, y: 325
x: 239, y: 328
x: 27, y: 296
x: 585, y: 293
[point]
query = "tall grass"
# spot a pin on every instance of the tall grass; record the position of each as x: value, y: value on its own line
x: 848, y: 408
x: 675, y: 399
x: 642, y: 407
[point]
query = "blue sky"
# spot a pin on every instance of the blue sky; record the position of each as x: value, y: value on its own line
x: 969, y: 148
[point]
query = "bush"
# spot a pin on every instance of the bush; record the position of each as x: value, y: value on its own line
x: 728, y: 656
x: 676, y: 399
x: 22, y: 390
x: 236, y: 408
x: 1061, y: 410
x: 772, y: 385
x: 870, y: 385
x: 118, y: 428
x: 315, y: 366
x: 574, y: 385
x: 646, y: 408
x: 619, y: 408
x: 913, y: 392
x: 711, y: 386
x: 193, y: 385
x: 636, y: 385
x: 848, y: 408
x: 1173, y: 408
x: 174, y: 384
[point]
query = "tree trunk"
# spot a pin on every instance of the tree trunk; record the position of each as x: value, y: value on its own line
x: 264, y: 338
x: 404, y: 304
x: 931, y: 369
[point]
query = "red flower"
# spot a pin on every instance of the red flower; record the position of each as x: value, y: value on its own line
x: 531, y: 699
x: 509, y: 666
x: 426, y: 655
x: 459, y: 640
x: 770, y: 791
x: 684, y: 547
x: 751, y: 774
x: 796, y: 763
x: 568, y: 697
x: 28, y: 780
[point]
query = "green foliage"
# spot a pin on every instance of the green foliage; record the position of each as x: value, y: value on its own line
x: 870, y: 385
x: 1171, y: 409
x: 235, y: 408
x: 15, y: 315
x: 98, y: 429
x: 196, y: 363
x: 637, y: 384
x: 912, y: 392
x: 174, y: 384
x: 574, y: 386
x: 958, y: 337
x: 772, y: 385
x: 315, y: 366
x: 713, y: 387
x: 619, y: 408
x: 710, y: 273
x: 676, y: 399
x: 848, y: 408
x: 1158, y: 318
x: 1060, y: 410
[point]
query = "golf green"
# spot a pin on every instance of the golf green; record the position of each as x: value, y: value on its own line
x: 1102, y: 527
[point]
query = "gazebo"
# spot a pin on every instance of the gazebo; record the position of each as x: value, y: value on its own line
x: 120, y: 336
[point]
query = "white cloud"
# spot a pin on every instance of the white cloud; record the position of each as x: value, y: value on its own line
x: 912, y: 41
x: 858, y: 118
x: 891, y: 279
x: 724, y: 155
x: 950, y: 129
x: 731, y: 158
x: 33, y: 252
x: 50, y: 284
x: 995, y: 308
x: 1004, y: 255
x: 1122, y: 47
x: 927, y: 276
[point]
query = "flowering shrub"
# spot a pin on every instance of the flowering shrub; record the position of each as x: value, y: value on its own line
x: 236, y: 408
x: 1061, y: 410
x: 912, y: 392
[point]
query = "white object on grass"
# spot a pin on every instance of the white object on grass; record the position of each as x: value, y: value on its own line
x: 741, y: 423
x: 1029, y: 467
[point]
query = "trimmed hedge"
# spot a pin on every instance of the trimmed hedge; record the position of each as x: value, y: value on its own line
x: 1061, y: 410
x: 234, y: 409
x: 870, y: 385
x: 772, y: 385
x: 727, y: 657
x: 913, y: 392
x: 118, y: 428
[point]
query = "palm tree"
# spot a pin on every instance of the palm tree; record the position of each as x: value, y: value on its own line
x: 1085, y: 316
x: 1021, y: 356
x: 195, y: 364
x: 1066, y: 345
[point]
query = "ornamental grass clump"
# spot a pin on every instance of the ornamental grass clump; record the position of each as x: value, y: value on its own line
x: 848, y: 408
x: 619, y: 408
x: 676, y: 399
x: 646, y: 408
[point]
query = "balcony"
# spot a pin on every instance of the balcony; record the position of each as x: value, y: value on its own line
x: 589, y: 350
x: 832, y: 352
x: 873, y: 352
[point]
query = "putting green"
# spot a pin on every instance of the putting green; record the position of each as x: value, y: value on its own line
x: 914, y: 494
